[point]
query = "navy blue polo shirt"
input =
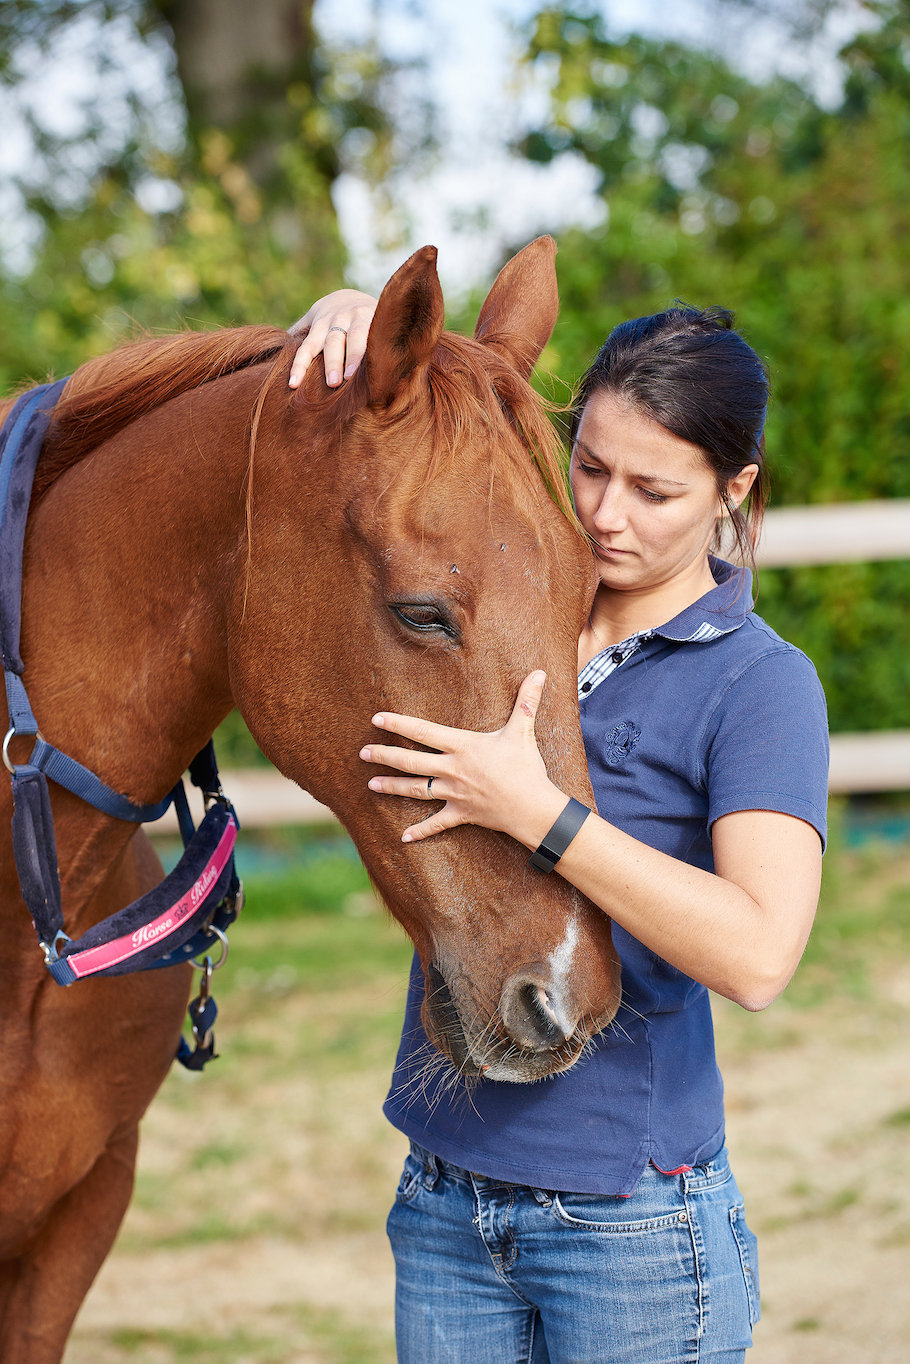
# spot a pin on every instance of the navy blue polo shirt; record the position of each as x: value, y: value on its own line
x: 707, y: 715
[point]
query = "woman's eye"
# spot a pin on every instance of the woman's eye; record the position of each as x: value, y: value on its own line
x: 425, y: 618
x: 651, y: 496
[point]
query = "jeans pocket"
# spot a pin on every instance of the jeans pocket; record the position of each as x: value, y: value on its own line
x: 590, y: 1212
x: 412, y: 1179
x: 748, y: 1258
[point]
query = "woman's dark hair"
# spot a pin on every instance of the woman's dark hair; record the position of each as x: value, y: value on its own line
x: 689, y: 370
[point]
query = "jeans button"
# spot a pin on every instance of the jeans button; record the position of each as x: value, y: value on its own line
x: 682, y: 1217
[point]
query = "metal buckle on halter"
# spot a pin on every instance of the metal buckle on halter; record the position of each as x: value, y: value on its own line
x: 51, y: 950
x: 201, y: 1017
x: 206, y: 964
x: 10, y: 735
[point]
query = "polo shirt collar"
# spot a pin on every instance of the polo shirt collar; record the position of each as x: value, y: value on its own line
x: 718, y: 612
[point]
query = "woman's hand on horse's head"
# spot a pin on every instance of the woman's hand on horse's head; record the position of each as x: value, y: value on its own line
x: 497, y: 780
x: 337, y: 327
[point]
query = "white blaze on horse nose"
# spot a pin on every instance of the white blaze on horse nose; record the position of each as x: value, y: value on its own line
x: 561, y: 959
x: 536, y: 1006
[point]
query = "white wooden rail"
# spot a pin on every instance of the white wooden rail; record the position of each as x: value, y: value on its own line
x: 848, y: 532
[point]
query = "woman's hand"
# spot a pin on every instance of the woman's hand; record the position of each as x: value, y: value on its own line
x: 337, y: 326
x: 496, y: 780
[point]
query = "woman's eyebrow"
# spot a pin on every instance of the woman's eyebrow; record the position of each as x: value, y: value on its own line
x: 642, y: 478
x: 659, y: 478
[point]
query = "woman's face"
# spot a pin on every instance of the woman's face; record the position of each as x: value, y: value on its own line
x: 647, y: 499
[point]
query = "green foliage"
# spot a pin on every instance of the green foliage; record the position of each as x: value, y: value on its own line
x: 236, y: 746
x: 331, y: 883
x: 250, y: 233
x: 751, y: 196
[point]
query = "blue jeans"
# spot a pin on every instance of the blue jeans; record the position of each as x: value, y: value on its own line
x: 495, y: 1273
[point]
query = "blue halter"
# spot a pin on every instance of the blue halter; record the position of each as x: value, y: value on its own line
x: 191, y: 909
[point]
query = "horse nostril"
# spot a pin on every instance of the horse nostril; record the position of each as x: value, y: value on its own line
x: 534, y: 1014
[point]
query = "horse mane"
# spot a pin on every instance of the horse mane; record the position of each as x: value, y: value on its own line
x: 106, y: 394
x: 502, y: 400
x: 469, y: 383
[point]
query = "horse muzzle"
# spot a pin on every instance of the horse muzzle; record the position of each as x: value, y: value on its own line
x: 536, y: 1031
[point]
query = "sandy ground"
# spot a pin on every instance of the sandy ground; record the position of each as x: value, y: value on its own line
x: 257, y: 1230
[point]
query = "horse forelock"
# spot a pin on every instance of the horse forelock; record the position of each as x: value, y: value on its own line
x: 468, y: 397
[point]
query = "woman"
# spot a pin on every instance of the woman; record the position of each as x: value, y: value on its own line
x: 593, y: 1217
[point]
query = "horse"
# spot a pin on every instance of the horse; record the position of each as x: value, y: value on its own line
x: 202, y: 537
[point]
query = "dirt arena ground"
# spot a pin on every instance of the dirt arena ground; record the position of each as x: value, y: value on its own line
x: 256, y: 1234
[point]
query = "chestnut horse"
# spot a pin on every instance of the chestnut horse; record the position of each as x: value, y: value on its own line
x: 201, y: 537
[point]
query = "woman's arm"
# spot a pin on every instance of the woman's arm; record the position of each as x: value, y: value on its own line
x: 337, y: 326
x: 740, y: 931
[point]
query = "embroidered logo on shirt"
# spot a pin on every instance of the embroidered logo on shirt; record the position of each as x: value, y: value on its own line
x: 621, y: 740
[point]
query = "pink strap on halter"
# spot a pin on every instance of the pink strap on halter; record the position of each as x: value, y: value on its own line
x: 95, y: 959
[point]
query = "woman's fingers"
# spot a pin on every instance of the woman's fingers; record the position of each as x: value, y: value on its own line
x: 337, y: 328
x: 436, y: 824
x: 356, y: 340
x: 527, y: 704
x: 402, y: 759
x: 416, y: 787
x: 420, y: 731
x: 321, y: 339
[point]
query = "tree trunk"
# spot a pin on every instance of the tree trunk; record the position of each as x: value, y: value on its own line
x: 238, y: 63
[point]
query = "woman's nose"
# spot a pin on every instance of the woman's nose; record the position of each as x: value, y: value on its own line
x: 611, y: 514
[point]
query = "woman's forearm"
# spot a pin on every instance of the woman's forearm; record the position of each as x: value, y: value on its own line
x: 742, y: 945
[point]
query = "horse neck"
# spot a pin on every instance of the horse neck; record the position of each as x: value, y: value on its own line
x: 130, y: 561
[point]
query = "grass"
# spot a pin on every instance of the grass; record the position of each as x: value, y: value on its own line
x: 310, y: 1336
x: 863, y: 919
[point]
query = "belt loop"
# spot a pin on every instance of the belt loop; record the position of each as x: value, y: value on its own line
x: 431, y: 1165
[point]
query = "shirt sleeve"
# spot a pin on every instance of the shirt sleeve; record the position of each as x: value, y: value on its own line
x: 767, y: 742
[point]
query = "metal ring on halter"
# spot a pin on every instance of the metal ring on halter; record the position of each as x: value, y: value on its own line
x: 343, y: 330
x: 225, y: 947
x: 11, y: 734
x: 430, y: 781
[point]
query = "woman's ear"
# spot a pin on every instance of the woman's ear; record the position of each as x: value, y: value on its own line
x: 740, y: 485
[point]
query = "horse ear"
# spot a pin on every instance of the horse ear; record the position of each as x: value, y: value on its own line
x: 406, y: 326
x: 519, y: 314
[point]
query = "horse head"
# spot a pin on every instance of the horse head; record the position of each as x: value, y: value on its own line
x: 405, y: 554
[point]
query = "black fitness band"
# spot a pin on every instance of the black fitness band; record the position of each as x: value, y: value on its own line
x: 560, y: 836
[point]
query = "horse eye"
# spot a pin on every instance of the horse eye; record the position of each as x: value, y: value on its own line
x: 428, y: 619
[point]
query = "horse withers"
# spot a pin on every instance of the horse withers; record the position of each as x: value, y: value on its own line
x: 201, y: 537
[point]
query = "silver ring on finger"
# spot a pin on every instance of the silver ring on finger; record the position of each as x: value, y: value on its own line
x: 430, y: 781
x: 343, y: 330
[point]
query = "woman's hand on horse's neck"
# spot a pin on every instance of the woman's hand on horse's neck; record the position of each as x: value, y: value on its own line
x: 740, y: 931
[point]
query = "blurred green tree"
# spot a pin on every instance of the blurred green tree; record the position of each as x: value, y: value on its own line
x: 228, y: 220
x: 720, y: 190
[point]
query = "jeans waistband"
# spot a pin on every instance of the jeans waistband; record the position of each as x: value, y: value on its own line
x: 704, y: 1176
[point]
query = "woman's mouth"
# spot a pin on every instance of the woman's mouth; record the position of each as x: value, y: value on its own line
x: 607, y: 551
